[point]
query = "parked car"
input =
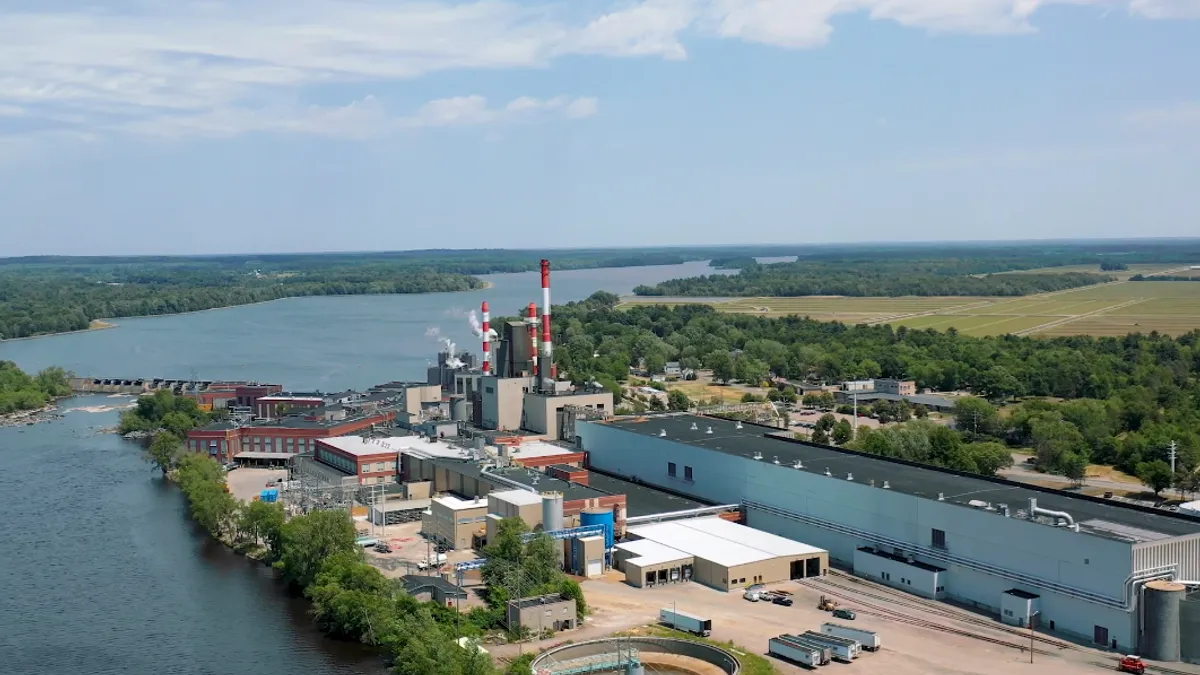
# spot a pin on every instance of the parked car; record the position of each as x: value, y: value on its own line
x: 230, y: 466
x: 782, y: 600
x: 382, y: 547
x: 752, y: 596
x: 843, y: 613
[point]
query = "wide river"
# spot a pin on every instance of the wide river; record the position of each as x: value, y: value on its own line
x: 103, y: 572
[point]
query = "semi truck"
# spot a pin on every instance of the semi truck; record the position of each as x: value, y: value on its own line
x: 868, y: 639
x: 826, y: 655
x: 794, y: 651
x: 841, y: 648
x: 686, y: 622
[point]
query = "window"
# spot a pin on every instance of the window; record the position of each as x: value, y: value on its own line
x: 687, y: 473
x: 1008, y: 612
x: 671, y: 469
x: 939, y: 539
x: 379, y: 466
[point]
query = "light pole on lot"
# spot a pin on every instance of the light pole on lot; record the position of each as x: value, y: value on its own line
x: 1032, y: 623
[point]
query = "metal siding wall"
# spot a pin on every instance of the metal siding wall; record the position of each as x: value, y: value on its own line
x: 924, y: 582
x: 1182, y: 551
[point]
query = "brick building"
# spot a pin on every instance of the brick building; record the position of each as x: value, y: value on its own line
x: 371, y: 461
x: 278, y: 440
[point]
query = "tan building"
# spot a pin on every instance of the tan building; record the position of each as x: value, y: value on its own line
x: 724, y: 555
x: 453, y: 521
x: 523, y: 504
x: 542, y: 411
x: 898, y: 387
x: 541, y: 613
x: 502, y: 401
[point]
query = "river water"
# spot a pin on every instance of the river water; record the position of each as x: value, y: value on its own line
x: 104, y: 573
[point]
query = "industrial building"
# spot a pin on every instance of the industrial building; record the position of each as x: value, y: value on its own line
x: 714, y: 552
x: 542, y: 613
x: 966, y: 538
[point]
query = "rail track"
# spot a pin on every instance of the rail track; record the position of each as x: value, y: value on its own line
x: 833, y: 585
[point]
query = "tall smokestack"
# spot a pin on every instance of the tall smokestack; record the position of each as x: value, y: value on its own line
x: 533, y: 320
x: 547, y: 369
x: 487, y: 339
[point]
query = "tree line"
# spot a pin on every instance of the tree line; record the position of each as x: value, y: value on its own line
x: 1127, y: 397
x: 870, y: 279
x: 317, y: 554
x: 164, y: 411
x: 21, y: 391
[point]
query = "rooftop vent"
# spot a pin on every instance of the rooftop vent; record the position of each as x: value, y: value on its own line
x: 708, y: 430
x: 662, y: 433
x: 758, y: 455
x: 1004, y: 510
x: 849, y: 476
x: 828, y: 472
x: 886, y: 486
x: 776, y: 459
x: 798, y: 465
x: 694, y: 427
x: 739, y: 425
x: 941, y: 496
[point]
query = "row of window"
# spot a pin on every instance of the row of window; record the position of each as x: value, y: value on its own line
x: 687, y: 471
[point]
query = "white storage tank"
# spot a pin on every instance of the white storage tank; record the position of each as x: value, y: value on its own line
x: 552, y: 511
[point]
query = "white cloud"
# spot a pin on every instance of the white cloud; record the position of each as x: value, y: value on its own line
x: 226, y: 67
x: 1173, y: 117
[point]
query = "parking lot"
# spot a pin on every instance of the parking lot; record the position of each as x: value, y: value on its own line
x: 246, y: 483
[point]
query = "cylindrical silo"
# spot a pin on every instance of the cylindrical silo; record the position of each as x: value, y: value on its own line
x: 552, y: 511
x: 1160, y: 641
x: 458, y: 409
x: 600, y: 516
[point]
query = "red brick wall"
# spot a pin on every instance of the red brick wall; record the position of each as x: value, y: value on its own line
x: 540, y: 462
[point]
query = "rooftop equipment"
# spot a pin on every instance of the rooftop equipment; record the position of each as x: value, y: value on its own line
x: 1034, y: 511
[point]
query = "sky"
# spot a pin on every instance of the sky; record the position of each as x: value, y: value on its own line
x: 222, y: 126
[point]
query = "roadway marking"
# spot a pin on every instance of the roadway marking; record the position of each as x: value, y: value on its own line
x: 1070, y: 319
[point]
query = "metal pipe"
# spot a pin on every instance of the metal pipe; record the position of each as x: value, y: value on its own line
x: 487, y: 339
x: 1034, y: 510
x: 672, y: 515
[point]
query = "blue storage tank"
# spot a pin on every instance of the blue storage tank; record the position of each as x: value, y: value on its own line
x: 600, y: 516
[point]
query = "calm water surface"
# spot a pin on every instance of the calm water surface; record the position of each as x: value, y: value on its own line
x: 104, y: 573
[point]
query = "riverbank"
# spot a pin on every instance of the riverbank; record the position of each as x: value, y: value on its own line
x: 30, y: 417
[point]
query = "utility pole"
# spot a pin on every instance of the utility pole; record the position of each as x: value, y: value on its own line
x: 856, y: 413
x: 1172, y: 454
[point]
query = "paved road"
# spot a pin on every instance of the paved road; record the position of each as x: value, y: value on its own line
x: 1021, y: 472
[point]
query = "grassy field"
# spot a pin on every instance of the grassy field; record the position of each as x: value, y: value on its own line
x: 1095, y: 269
x: 1171, y: 307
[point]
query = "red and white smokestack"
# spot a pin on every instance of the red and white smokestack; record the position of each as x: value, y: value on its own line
x: 487, y: 339
x: 533, y: 347
x: 547, y: 369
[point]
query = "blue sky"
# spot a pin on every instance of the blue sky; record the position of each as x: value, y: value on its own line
x: 183, y: 126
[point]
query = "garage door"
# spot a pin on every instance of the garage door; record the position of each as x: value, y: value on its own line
x: 595, y: 568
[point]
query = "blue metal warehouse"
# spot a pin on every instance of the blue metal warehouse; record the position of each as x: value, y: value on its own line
x: 1080, y: 564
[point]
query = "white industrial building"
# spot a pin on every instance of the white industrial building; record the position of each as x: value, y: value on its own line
x: 715, y: 552
x: 1080, y: 562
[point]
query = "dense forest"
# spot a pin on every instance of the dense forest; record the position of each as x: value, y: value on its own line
x: 34, y: 302
x: 925, y: 270
x: 20, y: 391
x: 1107, y: 400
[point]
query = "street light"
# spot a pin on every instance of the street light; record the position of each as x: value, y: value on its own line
x: 1032, y: 624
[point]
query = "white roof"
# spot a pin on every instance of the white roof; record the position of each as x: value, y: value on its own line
x: 455, y: 504
x: 1191, y: 506
x: 359, y: 446
x: 538, y: 449
x: 517, y: 497
x: 648, y: 552
x: 720, y: 541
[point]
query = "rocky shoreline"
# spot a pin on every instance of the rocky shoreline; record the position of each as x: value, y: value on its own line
x: 28, y: 418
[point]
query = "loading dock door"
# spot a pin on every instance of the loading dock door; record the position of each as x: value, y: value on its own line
x: 797, y: 569
x: 812, y: 567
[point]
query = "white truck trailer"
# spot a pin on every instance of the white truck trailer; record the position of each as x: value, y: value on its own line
x: 826, y: 654
x: 842, y: 649
x: 695, y: 625
x: 868, y: 639
x: 794, y: 651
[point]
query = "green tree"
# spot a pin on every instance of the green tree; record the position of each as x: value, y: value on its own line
x: 310, y: 539
x: 752, y: 371
x: 975, y: 416
x: 1155, y: 475
x: 263, y: 522
x: 1075, y: 467
x: 352, y: 599
x: 164, y: 451
x: 842, y: 432
x: 677, y: 400
x: 820, y: 436
x: 826, y: 422
x: 721, y: 364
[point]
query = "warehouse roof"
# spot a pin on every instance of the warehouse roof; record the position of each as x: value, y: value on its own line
x: 642, y: 500
x: 457, y: 504
x: 647, y: 552
x: 906, y: 477
x: 707, y: 539
x: 535, y: 480
x: 517, y: 497
x: 359, y: 446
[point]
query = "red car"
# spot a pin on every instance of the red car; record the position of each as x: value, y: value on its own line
x: 1131, y: 664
